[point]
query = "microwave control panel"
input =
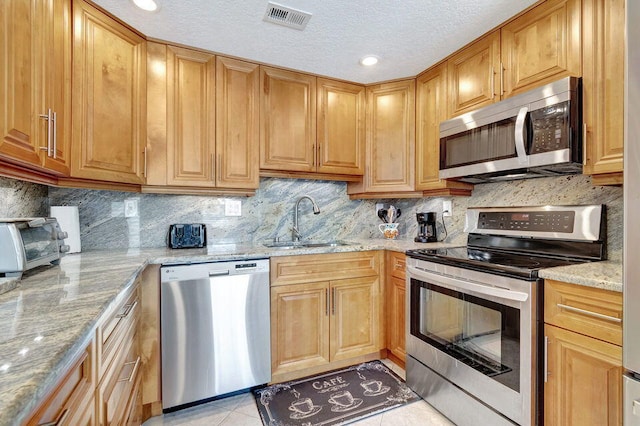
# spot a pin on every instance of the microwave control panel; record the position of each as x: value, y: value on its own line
x: 550, y: 128
x: 551, y: 221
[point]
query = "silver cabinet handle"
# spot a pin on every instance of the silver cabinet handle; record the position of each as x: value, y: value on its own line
x: 546, y: 358
x: 127, y: 310
x: 589, y: 313
x: 333, y: 301
x: 326, y: 294
x: 49, y: 119
x: 144, y: 169
x: 133, y: 372
x: 61, y: 418
x: 55, y: 135
x: 493, y: 84
x: 584, y: 144
x: 501, y: 79
x: 519, y: 136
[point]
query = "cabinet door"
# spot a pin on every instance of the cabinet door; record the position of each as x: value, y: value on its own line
x: 355, y: 317
x: 36, y: 75
x: 237, y: 123
x: 584, y: 384
x: 396, y: 315
x: 299, y: 326
x: 541, y: 46
x: 603, y: 45
x: 287, y: 120
x: 390, y: 137
x: 190, y: 117
x: 474, y: 75
x: 341, y: 134
x: 109, y: 98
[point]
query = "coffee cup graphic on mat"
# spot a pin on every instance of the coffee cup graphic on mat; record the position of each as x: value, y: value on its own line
x: 344, y: 401
x: 374, y: 387
x: 302, y: 408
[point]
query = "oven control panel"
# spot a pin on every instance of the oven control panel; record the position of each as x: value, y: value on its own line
x: 537, y: 221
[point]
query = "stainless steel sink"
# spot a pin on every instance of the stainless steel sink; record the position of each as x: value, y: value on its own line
x: 304, y: 244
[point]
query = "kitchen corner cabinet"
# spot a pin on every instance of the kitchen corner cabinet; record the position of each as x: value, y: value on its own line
x: 35, y: 96
x: 390, y: 141
x: 584, y: 355
x: 431, y: 109
x: 325, y: 312
x: 395, y: 298
x: 603, y: 44
x: 109, y: 98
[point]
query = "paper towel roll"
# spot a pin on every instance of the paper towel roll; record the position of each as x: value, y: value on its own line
x: 69, y: 221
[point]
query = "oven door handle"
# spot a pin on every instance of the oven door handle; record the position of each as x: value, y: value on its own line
x: 502, y: 293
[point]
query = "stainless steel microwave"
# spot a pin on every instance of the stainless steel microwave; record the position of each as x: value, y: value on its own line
x: 534, y: 134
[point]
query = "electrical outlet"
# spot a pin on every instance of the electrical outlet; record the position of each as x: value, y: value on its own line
x: 233, y: 208
x: 379, y: 206
x: 131, y: 207
x: 447, y: 208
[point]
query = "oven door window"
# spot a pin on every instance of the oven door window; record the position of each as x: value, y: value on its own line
x: 480, y: 333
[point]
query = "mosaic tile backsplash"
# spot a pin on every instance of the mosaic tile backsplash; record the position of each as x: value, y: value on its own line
x: 269, y: 213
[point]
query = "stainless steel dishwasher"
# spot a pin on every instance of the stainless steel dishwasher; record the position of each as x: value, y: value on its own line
x: 215, y: 329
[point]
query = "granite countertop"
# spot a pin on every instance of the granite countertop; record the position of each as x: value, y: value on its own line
x: 46, y: 322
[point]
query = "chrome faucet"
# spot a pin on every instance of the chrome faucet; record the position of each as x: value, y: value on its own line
x: 296, y: 235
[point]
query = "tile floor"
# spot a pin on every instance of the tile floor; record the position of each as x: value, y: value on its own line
x: 241, y: 410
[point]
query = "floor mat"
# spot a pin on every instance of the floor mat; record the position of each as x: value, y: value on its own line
x: 334, y: 398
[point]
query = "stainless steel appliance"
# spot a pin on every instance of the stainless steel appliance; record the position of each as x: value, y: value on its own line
x: 215, y: 330
x: 537, y: 133
x: 29, y: 243
x: 187, y: 235
x: 631, y: 263
x: 475, y: 322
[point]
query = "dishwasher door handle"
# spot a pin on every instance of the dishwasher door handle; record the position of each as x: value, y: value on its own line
x: 218, y: 273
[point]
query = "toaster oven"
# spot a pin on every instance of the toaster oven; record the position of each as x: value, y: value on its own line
x: 29, y: 243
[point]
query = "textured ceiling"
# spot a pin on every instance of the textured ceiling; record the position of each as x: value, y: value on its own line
x: 408, y: 36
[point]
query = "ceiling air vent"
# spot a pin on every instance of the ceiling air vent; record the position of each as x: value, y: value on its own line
x: 286, y: 16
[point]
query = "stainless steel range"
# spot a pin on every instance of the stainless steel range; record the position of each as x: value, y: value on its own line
x: 475, y: 322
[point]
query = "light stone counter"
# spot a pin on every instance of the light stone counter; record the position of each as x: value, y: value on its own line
x: 8, y: 284
x: 47, y: 321
x: 606, y: 275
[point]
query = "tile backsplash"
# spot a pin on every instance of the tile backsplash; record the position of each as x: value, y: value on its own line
x: 269, y: 213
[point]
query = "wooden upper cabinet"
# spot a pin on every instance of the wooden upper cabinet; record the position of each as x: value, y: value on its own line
x: 474, y: 75
x: 603, y: 43
x: 390, y: 137
x: 341, y: 132
x: 431, y: 109
x: 35, y: 96
x: 191, y: 106
x: 237, y: 123
x: 287, y: 120
x: 109, y: 98
x: 541, y: 46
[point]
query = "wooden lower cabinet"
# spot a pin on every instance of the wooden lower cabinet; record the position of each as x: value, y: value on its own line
x: 584, y: 384
x: 395, y: 295
x: 583, y: 340
x: 321, y: 320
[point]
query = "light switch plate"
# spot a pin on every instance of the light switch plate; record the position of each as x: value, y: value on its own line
x: 233, y: 208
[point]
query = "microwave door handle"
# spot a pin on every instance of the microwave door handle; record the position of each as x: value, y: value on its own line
x: 519, y: 136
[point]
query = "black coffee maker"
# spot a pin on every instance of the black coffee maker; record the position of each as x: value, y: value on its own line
x: 427, y: 227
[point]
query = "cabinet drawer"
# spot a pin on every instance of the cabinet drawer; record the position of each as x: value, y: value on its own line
x: 119, y: 384
x: 114, y: 327
x: 590, y: 311
x: 72, y: 398
x: 318, y: 267
x: 396, y: 262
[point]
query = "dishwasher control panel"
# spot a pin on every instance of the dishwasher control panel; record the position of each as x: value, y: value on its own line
x: 196, y: 271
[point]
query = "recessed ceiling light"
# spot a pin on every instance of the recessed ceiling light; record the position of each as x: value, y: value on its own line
x: 369, y: 60
x: 148, y: 5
